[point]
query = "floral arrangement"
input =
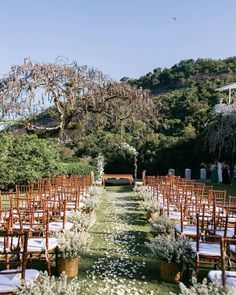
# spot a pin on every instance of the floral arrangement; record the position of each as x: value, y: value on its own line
x: 171, y: 250
x: 94, y: 191
x: 81, y: 222
x: 91, y: 199
x: 100, y: 167
x: 163, y: 226
x: 225, y: 109
x: 150, y: 205
x: 130, y: 149
x: 143, y: 192
x: 51, y: 286
x: 90, y: 203
x: 204, y: 289
x: 71, y: 243
x: 139, y: 188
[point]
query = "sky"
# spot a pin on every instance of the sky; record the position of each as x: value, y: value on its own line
x: 119, y: 37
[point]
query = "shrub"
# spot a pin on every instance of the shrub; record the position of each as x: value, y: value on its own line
x: 77, y: 168
x: 26, y: 158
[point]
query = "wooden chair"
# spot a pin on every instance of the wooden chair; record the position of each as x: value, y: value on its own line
x: 188, y: 222
x: 13, y: 251
x: 40, y: 244
x: 206, y: 247
x: 227, y: 275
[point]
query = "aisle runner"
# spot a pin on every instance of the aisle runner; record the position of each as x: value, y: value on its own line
x: 116, y: 272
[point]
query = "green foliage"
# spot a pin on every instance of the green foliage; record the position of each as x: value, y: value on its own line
x: 183, y: 98
x: 186, y: 72
x: 26, y: 158
x: 77, y: 168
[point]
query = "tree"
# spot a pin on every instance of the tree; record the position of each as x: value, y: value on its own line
x: 221, y: 135
x: 26, y: 158
x: 74, y: 91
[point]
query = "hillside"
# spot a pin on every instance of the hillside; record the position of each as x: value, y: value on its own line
x: 167, y: 132
x: 185, y: 95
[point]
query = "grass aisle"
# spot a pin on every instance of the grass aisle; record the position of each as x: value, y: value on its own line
x: 118, y: 261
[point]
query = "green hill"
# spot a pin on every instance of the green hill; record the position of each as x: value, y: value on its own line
x: 168, y: 133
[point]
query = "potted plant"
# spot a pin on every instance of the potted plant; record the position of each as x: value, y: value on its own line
x: 143, y: 192
x: 81, y: 222
x: 70, y: 245
x: 91, y: 200
x: 152, y: 206
x: 89, y: 204
x: 95, y: 191
x: 173, y: 253
x: 51, y: 285
x: 205, y: 288
x: 163, y: 226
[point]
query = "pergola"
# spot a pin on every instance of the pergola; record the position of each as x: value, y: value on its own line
x: 231, y: 88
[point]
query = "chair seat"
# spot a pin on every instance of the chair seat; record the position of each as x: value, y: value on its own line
x: 230, y: 278
x: 220, y: 233
x: 206, y: 249
x: 38, y: 244
x: 71, y: 213
x: 57, y: 226
x: 190, y: 230
x: 232, y: 219
x: 232, y: 248
x: 175, y: 215
x: 70, y: 205
x: 11, y: 282
x: 24, y: 226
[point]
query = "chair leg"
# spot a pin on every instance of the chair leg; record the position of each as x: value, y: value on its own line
x: 49, y: 266
x: 197, y: 266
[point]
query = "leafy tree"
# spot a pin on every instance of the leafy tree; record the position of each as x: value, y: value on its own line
x: 27, y: 158
x: 74, y: 91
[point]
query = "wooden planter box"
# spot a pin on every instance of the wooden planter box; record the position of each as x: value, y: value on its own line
x: 171, y: 272
x: 68, y: 265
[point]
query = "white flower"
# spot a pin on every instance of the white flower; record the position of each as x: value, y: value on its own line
x: 130, y: 149
x: 71, y: 244
x: 51, y: 286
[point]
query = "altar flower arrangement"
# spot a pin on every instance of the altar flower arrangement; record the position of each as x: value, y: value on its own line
x: 132, y: 151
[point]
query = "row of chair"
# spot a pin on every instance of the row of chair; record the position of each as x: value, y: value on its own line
x: 202, y: 214
x: 28, y: 218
